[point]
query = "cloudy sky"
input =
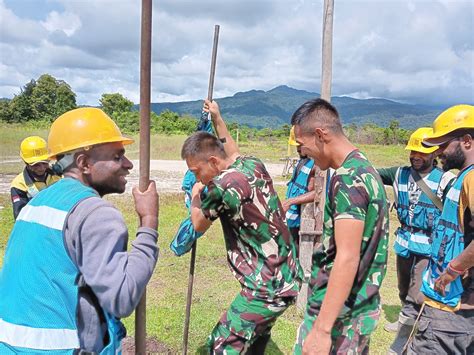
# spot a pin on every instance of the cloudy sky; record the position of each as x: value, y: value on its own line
x: 408, y: 50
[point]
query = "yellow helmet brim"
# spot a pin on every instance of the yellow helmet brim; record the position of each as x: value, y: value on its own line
x: 425, y: 150
x: 121, y: 139
x: 40, y: 159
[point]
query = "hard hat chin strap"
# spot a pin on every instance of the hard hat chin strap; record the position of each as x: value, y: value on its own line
x: 67, y: 159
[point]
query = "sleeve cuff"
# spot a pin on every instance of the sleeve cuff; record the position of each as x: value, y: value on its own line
x: 150, y: 231
x: 350, y: 216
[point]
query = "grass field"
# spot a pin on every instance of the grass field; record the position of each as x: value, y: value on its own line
x: 214, y: 286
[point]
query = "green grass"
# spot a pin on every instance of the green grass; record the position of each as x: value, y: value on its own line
x: 6, y: 223
x: 383, y: 156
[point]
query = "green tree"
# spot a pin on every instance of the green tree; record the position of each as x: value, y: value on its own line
x: 44, y: 97
x: 128, y: 121
x: 115, y: 103
x: 20, y: 105
x: 65, y: 98
x: 5, y: 111
x: 51, y: 98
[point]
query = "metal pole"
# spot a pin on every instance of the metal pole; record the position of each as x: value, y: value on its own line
x: 192, y: 262
x: 189, y: 298
x: 145, y: 85
x: 212, y: 74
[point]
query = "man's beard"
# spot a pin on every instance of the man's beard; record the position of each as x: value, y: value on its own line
x: 424, y: 166
x: 455, y: 160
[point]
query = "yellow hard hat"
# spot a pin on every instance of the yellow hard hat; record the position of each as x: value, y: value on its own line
x: 80, y: 128
x: 414, y: 143
x: 34, y: 150
x: 292, y: 140
x: 454, y: 118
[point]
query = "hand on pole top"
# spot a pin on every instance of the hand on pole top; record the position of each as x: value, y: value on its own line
x: 213, y: 108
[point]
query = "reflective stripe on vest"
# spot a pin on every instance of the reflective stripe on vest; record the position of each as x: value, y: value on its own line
x: 421, y: 217
x: 448, y: 243
x: 297, y: 186
x: 38, y: 338
x: 38, y: 281
x: 44, y: 215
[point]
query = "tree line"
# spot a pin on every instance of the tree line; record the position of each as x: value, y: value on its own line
x: 41, y: 101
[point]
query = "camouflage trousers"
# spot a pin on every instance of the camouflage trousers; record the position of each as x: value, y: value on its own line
x: 247, y: 321
x: 349, y: 335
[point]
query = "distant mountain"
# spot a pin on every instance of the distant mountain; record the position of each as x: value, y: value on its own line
x: 273, y: 108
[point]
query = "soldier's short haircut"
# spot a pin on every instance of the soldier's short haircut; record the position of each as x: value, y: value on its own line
x: 201, y: 145
x: 317, y: 113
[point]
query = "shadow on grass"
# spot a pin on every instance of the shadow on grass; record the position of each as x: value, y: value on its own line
x: 202, y: 350
x: 272, y: 348
x: 391, y: 312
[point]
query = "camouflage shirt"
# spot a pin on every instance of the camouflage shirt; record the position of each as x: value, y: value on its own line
x: 355, y: 192
x: 260, y: 250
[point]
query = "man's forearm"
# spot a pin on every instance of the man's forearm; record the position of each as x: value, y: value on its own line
x: 388, y: 175
x: 339, y: 286
x: 465, y: 260
x: 302, y: 199
x: 200, y: 223
x: 223, y: 133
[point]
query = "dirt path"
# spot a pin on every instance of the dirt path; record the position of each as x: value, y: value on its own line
x: 168, y: 175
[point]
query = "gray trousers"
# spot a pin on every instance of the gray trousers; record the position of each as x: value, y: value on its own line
x: 409, y: 273
x: 442, y: 332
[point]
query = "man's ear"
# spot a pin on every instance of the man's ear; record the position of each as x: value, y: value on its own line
x: 213, y: 161
x: 467, y: 141
x: 83, y: 162
x: 320, y: 134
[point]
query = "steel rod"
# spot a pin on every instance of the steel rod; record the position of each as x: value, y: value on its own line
x: 145, y: 90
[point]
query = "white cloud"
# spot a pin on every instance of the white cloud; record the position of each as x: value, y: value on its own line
x: 66, y: 22
x: 412, y: 50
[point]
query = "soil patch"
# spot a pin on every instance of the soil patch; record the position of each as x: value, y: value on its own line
x: 153, y: 346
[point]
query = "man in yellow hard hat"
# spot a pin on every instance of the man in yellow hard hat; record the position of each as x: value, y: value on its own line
x: 67, y: 277
x: 446, y: 323
x: 418, y: 192
x: 36, y: 175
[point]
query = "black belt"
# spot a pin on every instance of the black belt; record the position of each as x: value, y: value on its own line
x: 416, y: 230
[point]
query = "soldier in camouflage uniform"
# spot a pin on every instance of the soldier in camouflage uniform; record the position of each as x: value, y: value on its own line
x: 260, y: 251
x: 348, y: 268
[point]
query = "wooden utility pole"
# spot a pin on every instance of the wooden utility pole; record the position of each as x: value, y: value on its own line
x: 312, y: 215
x: 326, y: 74
x: 145, y: 85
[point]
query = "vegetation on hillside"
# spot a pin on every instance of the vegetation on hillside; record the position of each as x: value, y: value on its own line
x: 41, y: 101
